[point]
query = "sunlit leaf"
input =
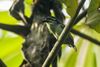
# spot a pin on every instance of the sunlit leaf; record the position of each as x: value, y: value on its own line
x: 28, y: 10
x: 97, y: 55
x: 93, y: 19
x: 71, y: 6
x: 87, y: 54
x: 8, y: 44
x: 90, y: 60
x: 13, y: 59
x: 10, y: 48
x: 29, y: 2
x: 5, y: 17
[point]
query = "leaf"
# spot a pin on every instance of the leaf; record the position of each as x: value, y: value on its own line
x: 29, y: 2
x: 97, y: 55
x: 90, y: 60
x: 10, y: 48
x: 87, y: 55
x: 28, y: 6
x: 71, y: 56
x: 6, y: 18
x: 14, y: 59
x: 93, y: 19
x: 71, y: 6
x: 27, y: 10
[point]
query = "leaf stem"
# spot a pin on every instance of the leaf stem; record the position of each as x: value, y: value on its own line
x: 85, y: 36
x: 83, y: 14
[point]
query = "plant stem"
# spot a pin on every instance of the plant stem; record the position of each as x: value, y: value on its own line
x: 65, y: 31
x: 83, y: 14
x: 85, y: 36
x: 17, y: 29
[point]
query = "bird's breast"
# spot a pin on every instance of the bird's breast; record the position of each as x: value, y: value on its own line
x: 36, y: 47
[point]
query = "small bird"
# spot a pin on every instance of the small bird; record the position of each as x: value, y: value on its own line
x: 44, y: 30
x: 55, y: 27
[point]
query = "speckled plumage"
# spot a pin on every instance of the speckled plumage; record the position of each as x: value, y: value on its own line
x: 39, y: 40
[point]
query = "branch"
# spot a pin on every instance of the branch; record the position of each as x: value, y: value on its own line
x: 65, y: 31
x: 81, y: 34
x: 17, y: 10
x: 20, y: 30
x: 83, y: 14
x: 85, y: 37
x: 2, y: 64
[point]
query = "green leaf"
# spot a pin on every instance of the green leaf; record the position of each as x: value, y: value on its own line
x: 14, y: 59
x: 71, y: 6
x: 28, y: 7
x: 5, y: 17
x: 71, y: 55
x: 10, y: 48
x: 27, y: 10
x: 90, y: 59
x: 87, y: 55
x: 97, y: 55
x: 93, y: 19
x: 29, y: 2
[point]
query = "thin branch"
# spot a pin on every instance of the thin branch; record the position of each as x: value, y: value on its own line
x: 85, y: 36
x: 2, y: 64
x: 65, y: 31
x: 83, y: 14
x: 18, y: 29
x: 82, y: 34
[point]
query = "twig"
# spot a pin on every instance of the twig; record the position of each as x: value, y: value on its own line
x: 85, y: 36
x: 65, y: 31
x: 82, y: 34
x: 18, y: 29
x: 83, y: 14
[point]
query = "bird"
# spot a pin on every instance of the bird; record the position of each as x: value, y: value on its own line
x: 44, y: 31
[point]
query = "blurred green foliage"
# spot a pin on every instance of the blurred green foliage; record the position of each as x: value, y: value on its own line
x: 93, y: 19
x: 87, y: 54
